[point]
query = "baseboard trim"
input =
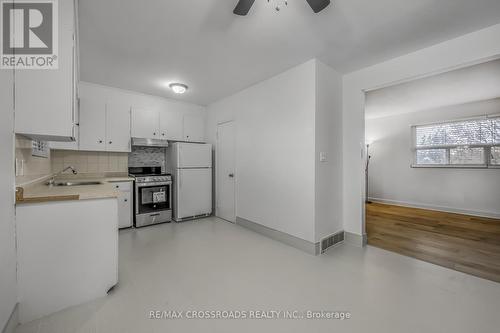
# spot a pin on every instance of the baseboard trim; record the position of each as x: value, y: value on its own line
x: 298, y: 243
x: 13, y: 321
x: 437, y: 208
x: 355, y: 239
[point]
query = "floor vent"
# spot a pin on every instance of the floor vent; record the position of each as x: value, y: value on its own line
x: 332, y: 240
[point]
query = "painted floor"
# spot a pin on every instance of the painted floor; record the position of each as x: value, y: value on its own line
x: 213, y: 265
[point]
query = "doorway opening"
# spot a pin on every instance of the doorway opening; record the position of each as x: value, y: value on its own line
x: 433, y: 169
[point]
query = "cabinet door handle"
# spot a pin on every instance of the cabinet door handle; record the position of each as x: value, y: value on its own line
x: 154, y: 133
x: 100, y: 141
x: 126, y: 200
x: 117, y: 186
x: 110, y: 142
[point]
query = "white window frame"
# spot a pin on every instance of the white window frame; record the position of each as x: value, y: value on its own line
x: 487, y: 148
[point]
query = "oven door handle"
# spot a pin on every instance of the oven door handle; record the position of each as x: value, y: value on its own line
x: 153, y: 184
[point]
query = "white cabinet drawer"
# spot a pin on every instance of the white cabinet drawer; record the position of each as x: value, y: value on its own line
x: 123, y: 186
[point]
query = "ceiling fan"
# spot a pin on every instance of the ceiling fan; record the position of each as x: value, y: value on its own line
x: 244, y: 6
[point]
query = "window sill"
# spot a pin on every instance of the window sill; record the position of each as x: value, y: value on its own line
x: 450, y: 166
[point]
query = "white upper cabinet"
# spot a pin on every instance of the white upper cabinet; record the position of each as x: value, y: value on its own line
x: 117, y: 128
x: 145, y: 123
x: 92, y: 125
x: 171, y: 126
x: 69, y: 145
x: 194, y: 128
x: 45, y: 99
x: 104, y: 126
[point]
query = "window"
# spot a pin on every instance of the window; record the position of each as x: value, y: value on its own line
x: 464, y: 143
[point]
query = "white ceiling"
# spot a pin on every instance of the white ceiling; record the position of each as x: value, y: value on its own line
x: 471, y: 84
x: 143, y: 45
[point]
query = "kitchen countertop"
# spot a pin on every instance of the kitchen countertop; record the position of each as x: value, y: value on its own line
x: 40, y: 192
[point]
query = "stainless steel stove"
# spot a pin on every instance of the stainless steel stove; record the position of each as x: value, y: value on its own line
x: 152, y: 196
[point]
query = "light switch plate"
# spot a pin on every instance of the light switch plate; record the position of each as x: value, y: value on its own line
x: 322, y: 156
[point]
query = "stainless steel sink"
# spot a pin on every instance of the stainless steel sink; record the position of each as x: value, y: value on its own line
x: 73, y: 183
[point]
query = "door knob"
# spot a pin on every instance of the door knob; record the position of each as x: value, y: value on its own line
x: 110, y: 142
x: 231, y: 175
x: 100, y: 141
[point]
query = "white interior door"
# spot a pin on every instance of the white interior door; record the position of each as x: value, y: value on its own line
x: 194, y: 192
x: 226, y: 208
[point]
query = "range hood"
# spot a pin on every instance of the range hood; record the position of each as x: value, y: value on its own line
x: 143, y: 142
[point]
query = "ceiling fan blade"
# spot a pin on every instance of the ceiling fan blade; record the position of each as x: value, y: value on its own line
x: 243, y: 7
x: 318, y: 5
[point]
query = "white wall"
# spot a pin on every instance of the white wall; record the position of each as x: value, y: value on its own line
x: 275, y: 151
x: 459, y: 52
x: 8, y: 288
x: 282, y: 124
x: 328, y: 175
x: 130, y: 98
x: 473, y: 191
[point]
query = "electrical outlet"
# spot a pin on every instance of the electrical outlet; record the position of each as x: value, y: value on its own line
x: 19, y: 167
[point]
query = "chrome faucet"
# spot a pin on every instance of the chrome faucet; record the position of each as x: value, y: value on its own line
x: 51, y: 181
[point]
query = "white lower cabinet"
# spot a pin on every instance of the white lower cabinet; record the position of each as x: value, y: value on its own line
x: 67, y: 254
x: 125, y: 204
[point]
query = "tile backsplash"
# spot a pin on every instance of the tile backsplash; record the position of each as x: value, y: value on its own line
x: 89, y: 161
x: 32, y: 165
x: 147, y: 156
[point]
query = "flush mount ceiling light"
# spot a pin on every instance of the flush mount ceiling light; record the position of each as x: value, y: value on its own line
x: 178, y: 88
x: 278, y: 4
x: 243, y: 6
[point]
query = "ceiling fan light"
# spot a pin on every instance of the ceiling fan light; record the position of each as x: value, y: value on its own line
x: 178, y: 88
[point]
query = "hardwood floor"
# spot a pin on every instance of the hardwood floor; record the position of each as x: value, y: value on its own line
x: 464, y: 243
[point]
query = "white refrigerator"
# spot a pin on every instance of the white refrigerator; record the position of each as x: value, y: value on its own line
x: 191, y: 167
